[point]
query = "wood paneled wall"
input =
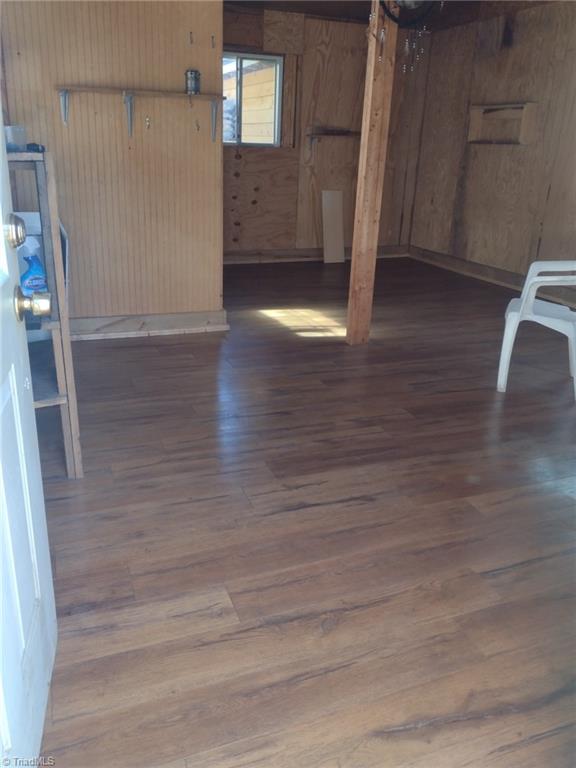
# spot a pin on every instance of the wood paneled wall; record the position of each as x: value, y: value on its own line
x: 333, y: 66
x: 501, y: 205
x: 272, y: 197
x: 442, y: 148
x: 261, y: 183
x: 144, y: 214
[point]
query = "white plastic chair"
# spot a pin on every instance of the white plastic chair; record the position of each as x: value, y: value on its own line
x: 528, y: 307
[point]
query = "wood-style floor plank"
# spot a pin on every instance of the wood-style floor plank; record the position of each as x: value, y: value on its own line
x: 291, y: 553
x: 99, y: 633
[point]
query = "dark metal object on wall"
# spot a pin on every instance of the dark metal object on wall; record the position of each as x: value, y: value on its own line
x: 192, y: 82
x: 408, y: 13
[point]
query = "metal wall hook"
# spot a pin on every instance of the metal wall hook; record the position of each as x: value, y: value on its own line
x: 382, y: 39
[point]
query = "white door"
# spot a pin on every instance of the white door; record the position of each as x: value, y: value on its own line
x: 27, y: 612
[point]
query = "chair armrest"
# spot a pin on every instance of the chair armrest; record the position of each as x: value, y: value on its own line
x: 552, y: 280
x: 532, y: 285
x: 537, y: 267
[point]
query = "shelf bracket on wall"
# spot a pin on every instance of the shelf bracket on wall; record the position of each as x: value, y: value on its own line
x: 64, y: 95
x: 214, y: 117
x: 128, y: 98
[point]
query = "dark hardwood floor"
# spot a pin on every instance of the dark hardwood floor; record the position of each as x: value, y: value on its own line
x: 292, y: 553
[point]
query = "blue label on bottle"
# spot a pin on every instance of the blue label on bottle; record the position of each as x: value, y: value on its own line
x: 33, y: 284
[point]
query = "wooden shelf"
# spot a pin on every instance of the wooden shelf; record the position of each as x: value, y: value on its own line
x: 46, y: 392
x: 48, y: 324
x: 509, y: 123
x: 129, y: 94
x: 25, y: 157
x: 111, y: 90
x: 318, y: 132
x: 44, y: 381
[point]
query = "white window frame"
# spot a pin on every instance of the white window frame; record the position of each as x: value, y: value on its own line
x: 279, y: 60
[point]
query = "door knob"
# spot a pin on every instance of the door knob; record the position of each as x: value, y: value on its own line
x: 40, y: 304
x: 15, y: 231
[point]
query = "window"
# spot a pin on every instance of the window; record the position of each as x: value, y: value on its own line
x: 253, y: 88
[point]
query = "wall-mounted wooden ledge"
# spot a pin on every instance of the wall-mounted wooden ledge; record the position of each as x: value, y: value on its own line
x: 506, y: 124
x: 128, y: 95
x: 326, y: 132
x: 25, y: 157
x: 131, y: 326
x: 154, y: 93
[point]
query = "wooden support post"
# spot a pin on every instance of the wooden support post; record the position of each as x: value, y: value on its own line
x: 371, y: 166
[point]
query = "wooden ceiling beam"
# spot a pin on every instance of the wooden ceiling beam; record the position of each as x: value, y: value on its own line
x: 371, y: 166
x: 338, y: 10
x: 442, y: 15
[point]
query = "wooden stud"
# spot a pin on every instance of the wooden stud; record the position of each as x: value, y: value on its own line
x: 289, y: 100
x: 60, y: 366
x: 371, y: 166
x: 48, y: 238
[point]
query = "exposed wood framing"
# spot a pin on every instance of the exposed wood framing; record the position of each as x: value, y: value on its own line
x: 371, y: 167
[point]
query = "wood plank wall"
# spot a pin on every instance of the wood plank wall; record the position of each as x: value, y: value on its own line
x: 333, y: 66
x: 272, y: 197
x: 501, y: 205
x: 144, y: 214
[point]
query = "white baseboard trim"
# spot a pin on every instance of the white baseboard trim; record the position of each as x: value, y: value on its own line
x: 133, y: 326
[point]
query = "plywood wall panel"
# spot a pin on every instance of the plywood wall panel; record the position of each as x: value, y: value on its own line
x: 403, y: 146
x: 144, y: 214
x: 260, y: 195
x: 506, y: 187
x: 443, y: 137
x: 333, y: 69
x: 556, y: 234
x: 513, y: 202
x: 243, y: 29
x: 323, y: 86
x: 283, y: 32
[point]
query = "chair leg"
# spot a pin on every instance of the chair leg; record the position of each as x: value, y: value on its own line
x: 572, y: 355
x: 506, y: 353
x: 572, y: 351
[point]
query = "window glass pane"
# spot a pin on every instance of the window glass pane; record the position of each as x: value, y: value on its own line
x: 230, y: 108
x: 258, y: 101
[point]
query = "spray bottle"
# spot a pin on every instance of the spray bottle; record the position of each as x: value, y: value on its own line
x: 33, y: 280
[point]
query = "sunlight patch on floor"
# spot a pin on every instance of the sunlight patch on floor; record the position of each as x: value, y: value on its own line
x: 308, y: 323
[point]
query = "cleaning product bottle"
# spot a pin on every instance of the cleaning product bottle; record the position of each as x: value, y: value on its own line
x: 34, y: 279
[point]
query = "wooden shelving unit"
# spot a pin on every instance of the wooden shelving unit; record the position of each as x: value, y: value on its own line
x: 53, y: 380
